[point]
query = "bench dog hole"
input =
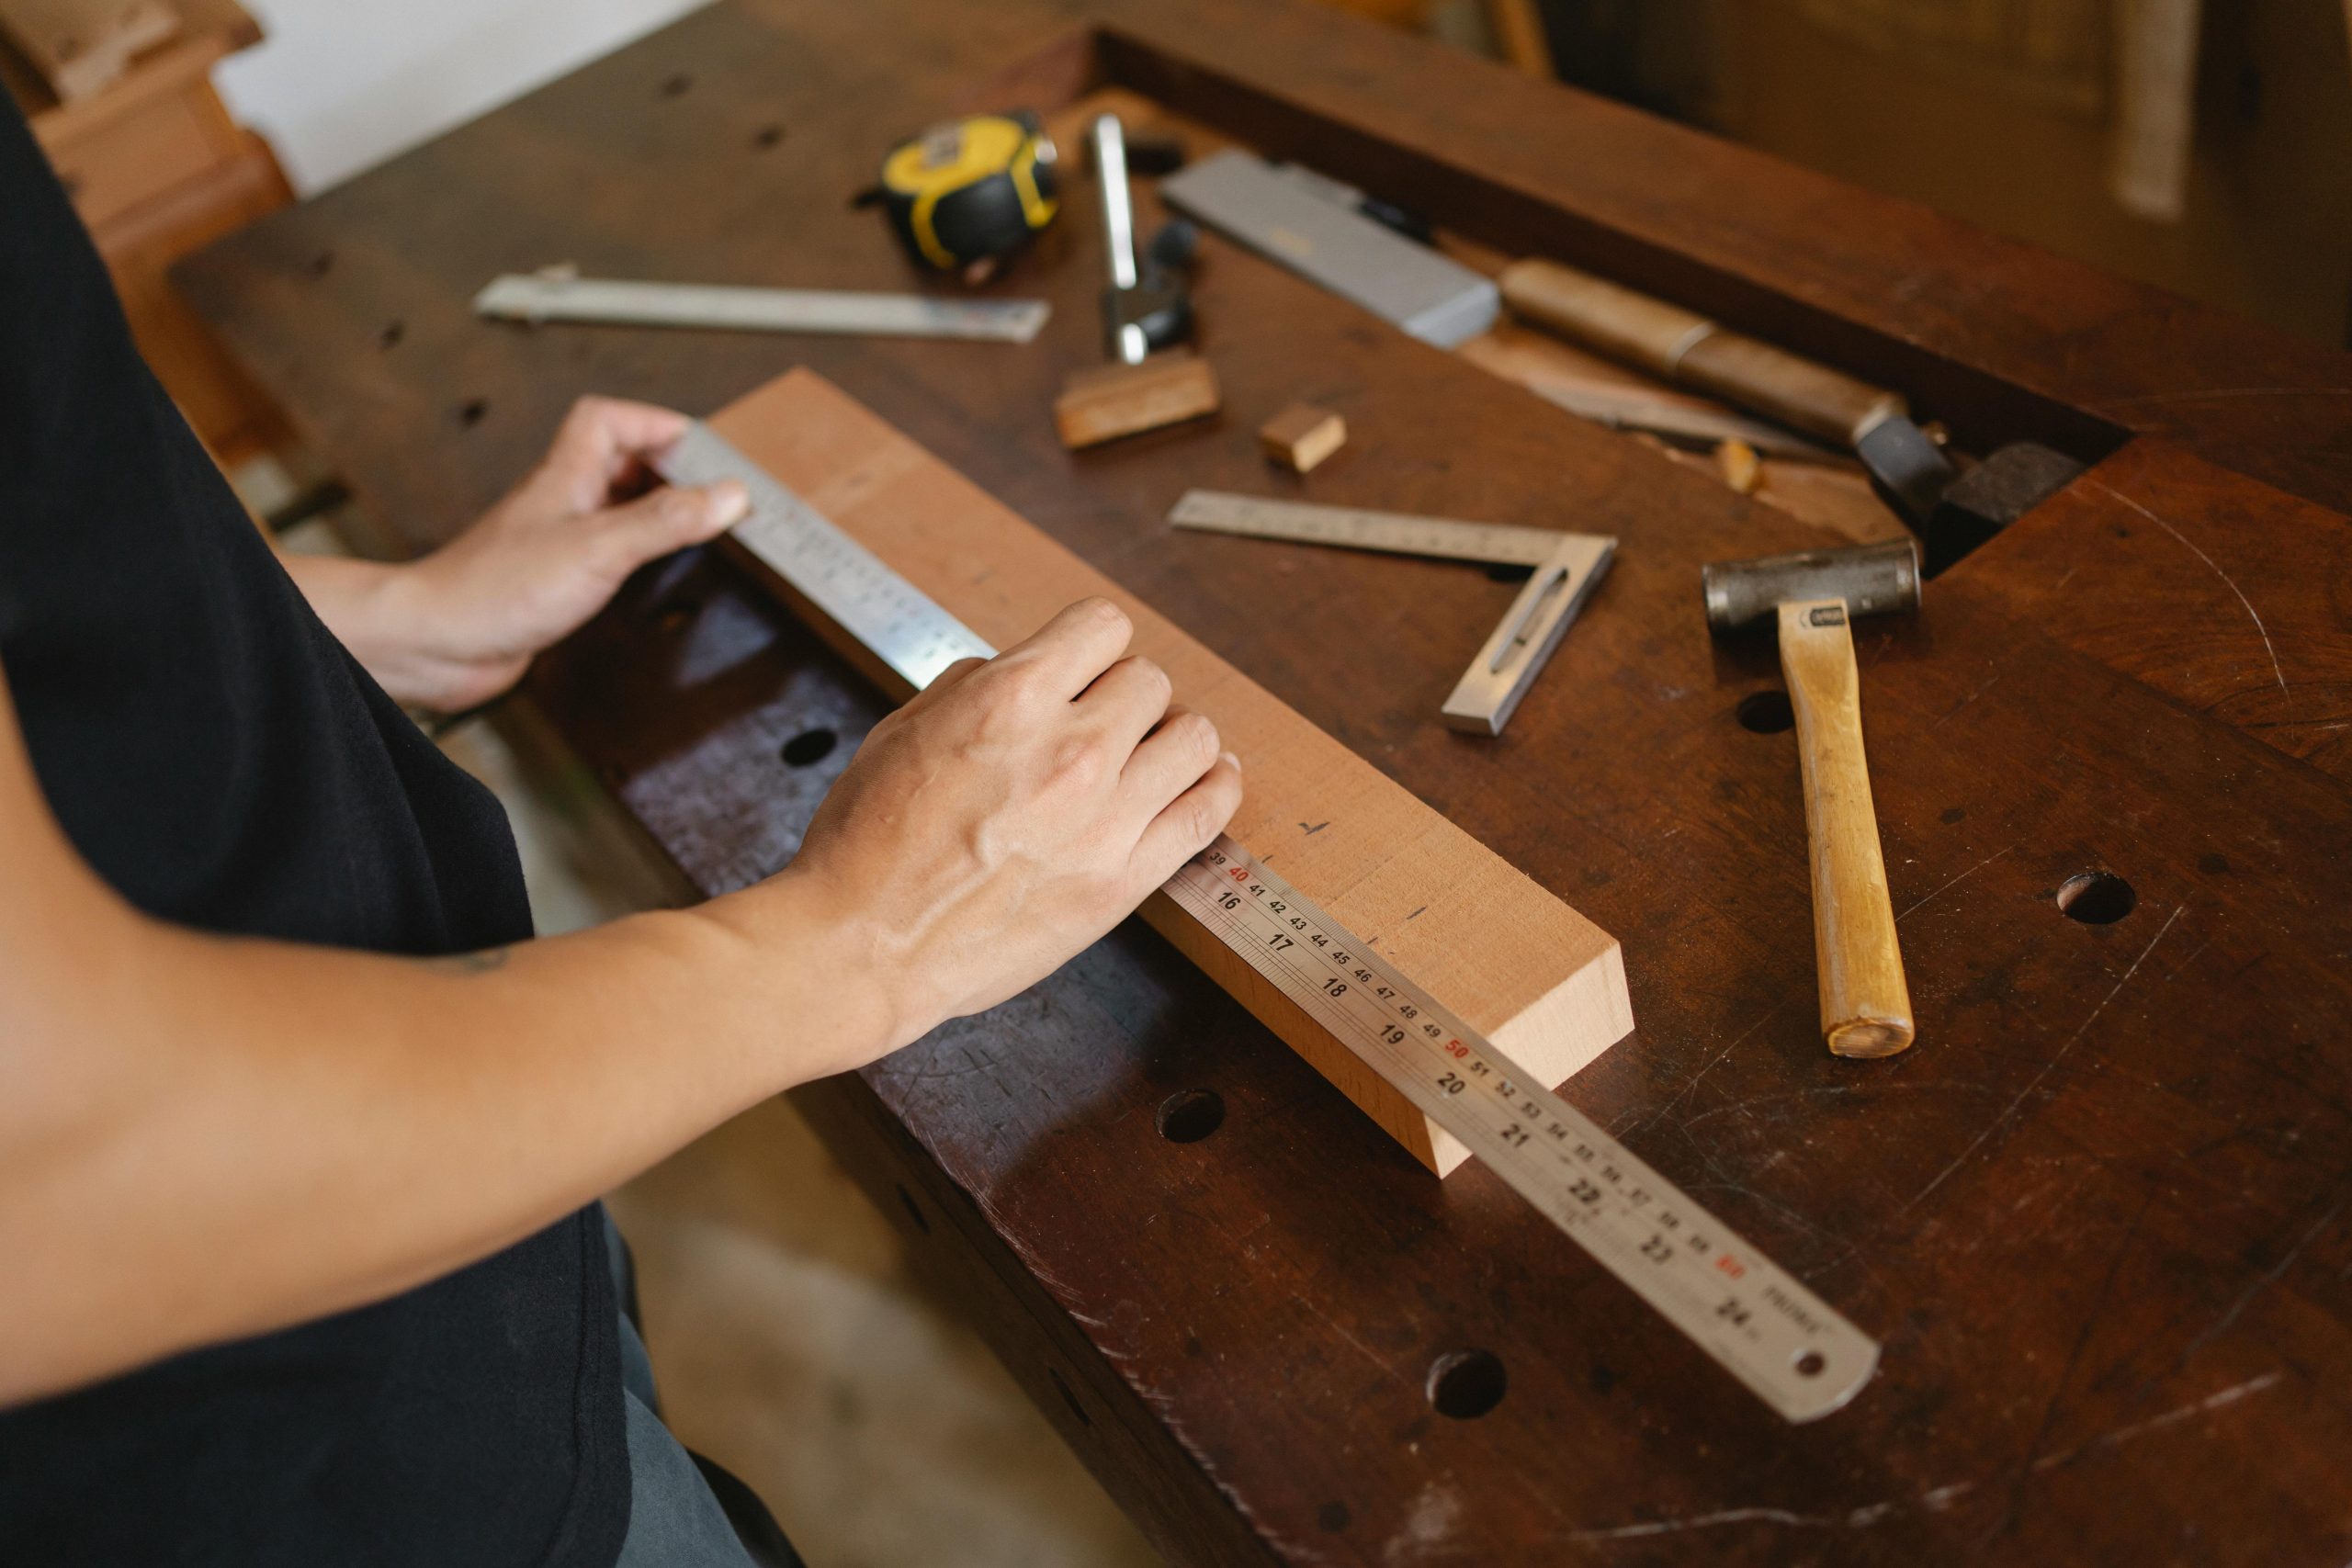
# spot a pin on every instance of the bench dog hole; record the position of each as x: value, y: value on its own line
x: 2096, y: 897
x: 1466, y: 1384
x: 810, y: 747
x: 1189, y: 1117
x: 1765, y: 713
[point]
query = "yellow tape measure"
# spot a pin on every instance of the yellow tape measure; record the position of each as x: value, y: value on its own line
x: 970, y: 190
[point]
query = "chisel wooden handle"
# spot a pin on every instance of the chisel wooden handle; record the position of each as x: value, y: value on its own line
x: 1865, y: 1004
x: 1685, y: 347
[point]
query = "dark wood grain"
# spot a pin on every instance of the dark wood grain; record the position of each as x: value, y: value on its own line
x: 2101, y: 1215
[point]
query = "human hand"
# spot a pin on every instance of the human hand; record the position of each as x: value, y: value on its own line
x: 550, y: 555
x: 1010, y: 815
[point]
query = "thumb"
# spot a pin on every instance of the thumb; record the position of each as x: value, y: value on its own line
x: 673, y: 516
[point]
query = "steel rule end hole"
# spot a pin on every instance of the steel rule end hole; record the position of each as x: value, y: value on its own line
x: 1466, y: 1384
x: 1811, y: 1363
x: 810, y: 747
x: 1189, y: 1117
x: 2096, y: 897
x: 1765, y: 713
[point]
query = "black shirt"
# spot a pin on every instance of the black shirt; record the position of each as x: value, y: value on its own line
x: 222, y: 761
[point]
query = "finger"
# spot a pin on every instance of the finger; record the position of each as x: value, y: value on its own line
x: 1170, y: 760
x: 1126, y: 700
x: 1188, y: 822
x: 1070, y: 650
x: 672, y: 518
x: 603, y: 439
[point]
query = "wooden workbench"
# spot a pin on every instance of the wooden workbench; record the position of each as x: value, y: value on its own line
x: 2101, y: 1216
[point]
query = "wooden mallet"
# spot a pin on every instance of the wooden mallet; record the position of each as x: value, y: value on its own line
x: 1810, y: 596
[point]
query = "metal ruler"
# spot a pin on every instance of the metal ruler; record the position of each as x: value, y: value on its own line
x: 1568, y: 567
x: 556, y: 296
x: 1778, y: 1339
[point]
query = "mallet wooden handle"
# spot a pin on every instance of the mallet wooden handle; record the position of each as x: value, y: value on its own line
x: 1686, y: 347
x: 1865, y: 1004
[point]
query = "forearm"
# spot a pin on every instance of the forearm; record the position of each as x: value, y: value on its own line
x: 222, y: 1137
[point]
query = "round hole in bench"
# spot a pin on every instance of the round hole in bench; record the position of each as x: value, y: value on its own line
x: 1765, y: 713
x: 1189, y: 1117
x: 2096, y: 897
x: 1466, y: 1384
x: 810, y: 747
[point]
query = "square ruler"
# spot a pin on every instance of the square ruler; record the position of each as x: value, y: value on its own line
x: 1566, y: 568
x: 1780, y: 1341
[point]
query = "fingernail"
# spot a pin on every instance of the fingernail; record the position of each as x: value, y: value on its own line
x: 1232, y: 759
x: 729, y: 501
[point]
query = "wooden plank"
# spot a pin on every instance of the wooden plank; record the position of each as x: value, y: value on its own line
x: 80, y: 47
x: 1542, y: 982
x: 1111, y: 400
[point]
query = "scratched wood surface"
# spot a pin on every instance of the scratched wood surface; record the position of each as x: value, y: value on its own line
x: 2101, y: 1216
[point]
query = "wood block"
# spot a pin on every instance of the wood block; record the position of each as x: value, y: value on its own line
x: 1112, y: 400
x: 1541, y: 981
x: 1303, y: 435
x: 81, y: 46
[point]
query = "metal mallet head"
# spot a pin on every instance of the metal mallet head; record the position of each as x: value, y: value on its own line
x: 1745, y: 595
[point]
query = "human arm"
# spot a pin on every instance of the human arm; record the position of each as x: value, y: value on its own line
x: 203, y: 1137
x: 455, y: 628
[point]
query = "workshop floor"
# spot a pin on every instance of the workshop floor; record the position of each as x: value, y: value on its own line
x: 790, y: 1342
